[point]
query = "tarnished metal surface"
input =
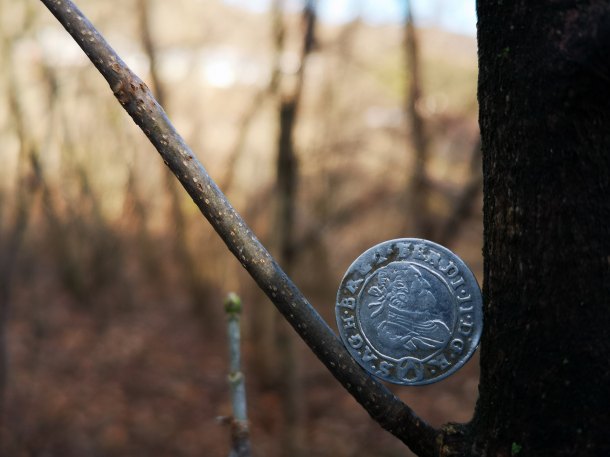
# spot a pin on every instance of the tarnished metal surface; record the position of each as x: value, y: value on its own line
x: 409, y: 311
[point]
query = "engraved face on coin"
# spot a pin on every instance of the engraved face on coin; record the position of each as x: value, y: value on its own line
x: 409, y: 311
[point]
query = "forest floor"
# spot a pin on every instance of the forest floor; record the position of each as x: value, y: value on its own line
x: 102, y: 377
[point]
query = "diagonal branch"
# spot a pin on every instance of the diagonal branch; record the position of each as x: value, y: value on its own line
x: 135, y: 97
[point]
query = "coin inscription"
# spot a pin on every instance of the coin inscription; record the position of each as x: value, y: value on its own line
x: 409, y: 311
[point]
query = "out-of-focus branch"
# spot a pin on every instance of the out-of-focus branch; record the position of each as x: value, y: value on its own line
x: 196, y: 284
x: 462, y: 204
x: 287, y: 176
x: 278, y: 38
x: 242, y: 132
x: 342, y: 217
x: 308, y: 19
x: 418, y: 189
x: 149, y: 49
x: 138, y: 101
x: 27, y: 185
x: 264, y: 323
x: 287, y: 161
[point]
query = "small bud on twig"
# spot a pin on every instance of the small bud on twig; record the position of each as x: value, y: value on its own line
x: 233, y: 304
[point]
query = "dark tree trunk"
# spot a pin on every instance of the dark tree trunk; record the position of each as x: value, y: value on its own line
x: 286, y: 182
x: 264, y: 322
x: 290, y: 383
x: 544, y: 94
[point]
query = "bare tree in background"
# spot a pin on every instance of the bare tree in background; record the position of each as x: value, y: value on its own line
x: 418, y: 190
x: 544, y: 116
x: 421, y: 220
x: 11, y: 243
x: 196, y: 284
x: 278, y: 33
x: 461, y: 205
x: 288, y: 374
x: 264, y: 322
x: 27, y: 186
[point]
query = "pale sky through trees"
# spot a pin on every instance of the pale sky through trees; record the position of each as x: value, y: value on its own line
x: 457, y: 16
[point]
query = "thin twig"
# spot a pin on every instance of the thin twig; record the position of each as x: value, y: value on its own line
x: 137, y: 100
x: 240, y: 441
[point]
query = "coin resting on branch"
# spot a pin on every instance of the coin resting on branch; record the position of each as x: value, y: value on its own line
x: 135, y: 97
x: 409, y: 311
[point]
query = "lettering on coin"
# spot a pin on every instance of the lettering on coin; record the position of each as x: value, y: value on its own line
x: 409, y: 311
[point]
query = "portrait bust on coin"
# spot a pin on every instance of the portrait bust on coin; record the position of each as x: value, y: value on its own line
x: 409, y: 311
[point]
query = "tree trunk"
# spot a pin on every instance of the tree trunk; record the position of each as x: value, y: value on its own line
x: 418, y: 190
x: 544, y: 101
x: 289, y: 379
x: 290, y: 382
x: 264, y: 322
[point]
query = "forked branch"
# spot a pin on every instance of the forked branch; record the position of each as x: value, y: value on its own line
x: 138, y: 101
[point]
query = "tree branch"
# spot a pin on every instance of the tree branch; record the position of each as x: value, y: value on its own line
x: 240, y: 440
x: 137, y: 100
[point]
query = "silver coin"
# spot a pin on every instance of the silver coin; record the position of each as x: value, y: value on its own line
x: 409, y: 311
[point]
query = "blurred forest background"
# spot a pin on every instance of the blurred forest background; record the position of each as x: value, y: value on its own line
x: 328, y: 138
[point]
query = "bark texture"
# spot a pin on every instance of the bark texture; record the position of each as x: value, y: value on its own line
x: 544, y: 98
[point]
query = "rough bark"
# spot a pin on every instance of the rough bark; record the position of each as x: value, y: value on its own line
x: 545, y: 114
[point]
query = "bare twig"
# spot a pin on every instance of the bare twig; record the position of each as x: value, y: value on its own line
x: 137, y: 100
x: 239, y: 425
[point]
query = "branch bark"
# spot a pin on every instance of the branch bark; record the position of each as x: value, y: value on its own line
x: 135, y: 97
